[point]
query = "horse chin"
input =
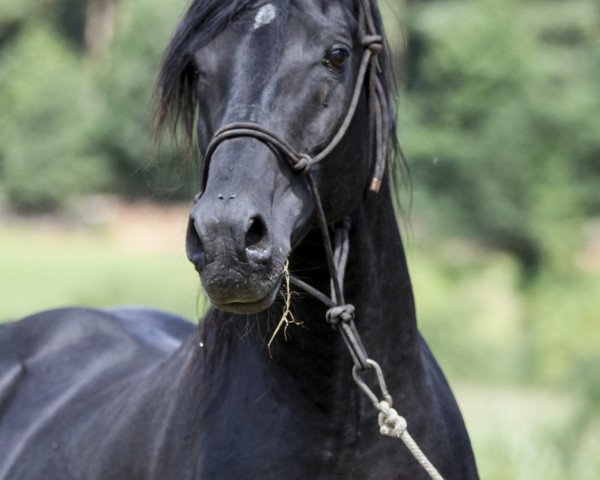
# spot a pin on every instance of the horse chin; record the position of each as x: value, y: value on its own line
x: 250, y: 307
x: 258, y: 296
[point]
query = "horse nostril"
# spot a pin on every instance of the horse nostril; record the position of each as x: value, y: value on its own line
x: 194, y: 248
x: 256, y: 239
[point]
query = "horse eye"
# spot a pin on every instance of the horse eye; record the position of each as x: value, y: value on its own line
x: 337, y: 57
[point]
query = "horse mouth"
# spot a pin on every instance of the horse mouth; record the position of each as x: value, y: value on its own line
x: 246, y: 304
x: 251, y: 307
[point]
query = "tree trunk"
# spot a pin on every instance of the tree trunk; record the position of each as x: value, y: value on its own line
x: 99, y: 26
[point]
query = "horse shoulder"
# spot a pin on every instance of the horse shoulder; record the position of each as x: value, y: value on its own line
x: 449, y: 437
x: 62, y: 365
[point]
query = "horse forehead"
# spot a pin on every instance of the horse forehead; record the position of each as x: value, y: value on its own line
x: 267, y: 39
x: 321, y: 11
x: 265, y: 15
x: 336, y: 10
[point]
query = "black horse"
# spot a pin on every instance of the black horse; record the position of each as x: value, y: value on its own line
x: 139, y: 394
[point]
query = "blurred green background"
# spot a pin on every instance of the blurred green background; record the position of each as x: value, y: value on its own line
x: 499, y: 120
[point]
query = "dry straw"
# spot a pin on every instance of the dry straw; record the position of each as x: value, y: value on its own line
x: 287, y: 317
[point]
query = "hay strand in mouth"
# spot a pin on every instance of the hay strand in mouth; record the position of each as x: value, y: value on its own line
x: 287, y: 317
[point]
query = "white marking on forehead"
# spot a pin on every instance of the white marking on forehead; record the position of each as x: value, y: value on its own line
x: 265, y: 15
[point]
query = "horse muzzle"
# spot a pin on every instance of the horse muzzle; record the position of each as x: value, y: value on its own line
x: 232, y: 246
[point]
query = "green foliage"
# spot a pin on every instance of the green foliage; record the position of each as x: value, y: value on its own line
x: 77, y: 124
x: 500, y: 122
x: 126, y: 80
x: 11, y: 11
x: 65, y: 17
x: 519, y: 434
x: 484, y: 325
x: 47, y: 111
x: 88, y: 268
x: 470, y: 310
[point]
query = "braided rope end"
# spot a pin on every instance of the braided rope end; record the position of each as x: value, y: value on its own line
x: 391, y: 423
x: 340, y: 313
x: 303, y: 164
x: 375, y: 185
x: 373, y: 43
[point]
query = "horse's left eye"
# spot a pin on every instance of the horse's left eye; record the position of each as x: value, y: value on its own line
x: 337, y: 57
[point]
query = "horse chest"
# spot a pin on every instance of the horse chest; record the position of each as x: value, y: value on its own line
x: 286, y: 441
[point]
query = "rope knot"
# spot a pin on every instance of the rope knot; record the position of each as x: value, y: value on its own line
x: 391, y: 423
x: 373, y: 43
x: 343, y: 313
x: 303, y: 164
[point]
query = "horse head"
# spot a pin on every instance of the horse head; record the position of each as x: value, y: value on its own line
x: 287, y: 68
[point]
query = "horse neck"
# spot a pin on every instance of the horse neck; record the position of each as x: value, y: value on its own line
x: 377, y: 280
x: 377, y: 283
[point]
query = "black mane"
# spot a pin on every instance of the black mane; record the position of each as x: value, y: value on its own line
x: 175, y: 101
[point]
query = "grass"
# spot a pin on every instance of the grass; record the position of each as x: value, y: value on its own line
x: 521, y: 433
x: 523, y: 360
x: 42, y: 269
